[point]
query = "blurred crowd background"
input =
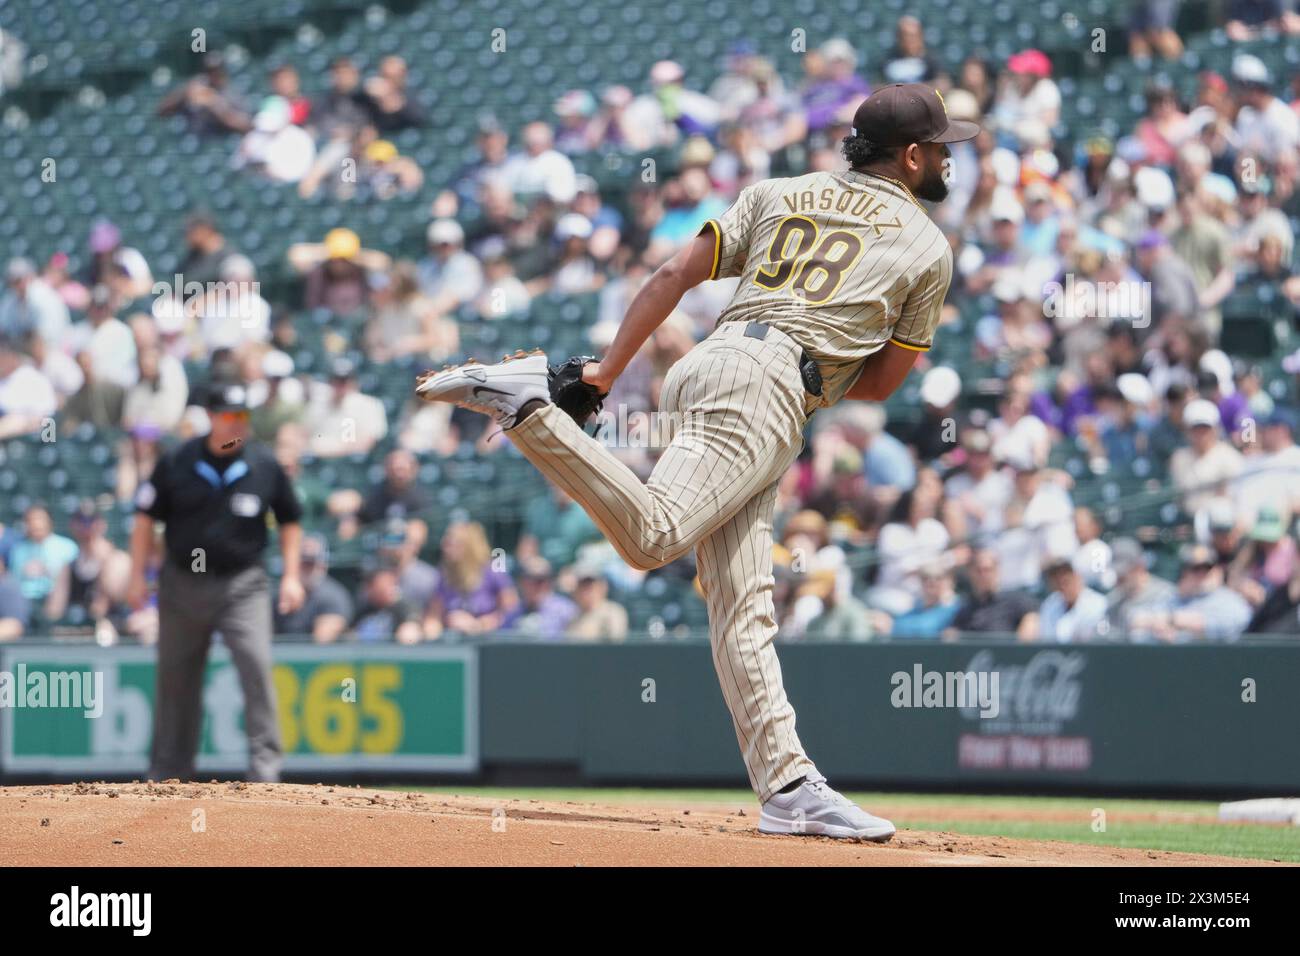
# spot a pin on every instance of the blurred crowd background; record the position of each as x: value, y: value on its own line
x: 325, y: 200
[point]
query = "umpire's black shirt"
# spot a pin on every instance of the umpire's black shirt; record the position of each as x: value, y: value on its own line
x: 217, y: 503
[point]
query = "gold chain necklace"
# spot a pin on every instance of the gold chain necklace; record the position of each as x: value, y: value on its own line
x: 900, y: 185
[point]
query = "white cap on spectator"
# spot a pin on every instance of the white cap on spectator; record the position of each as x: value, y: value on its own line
x: 666, y: 71
x: 277, y: 364
x: 1200, y: 411
x: 839, y: 48
x: 1006, y: 166
x: 19, y: 268
x: 168, y: 314
x: 1005, y: 208
x: 1155, y: 189
x: 445, y: 230
x: 940, y: 386
x: 1136, y: 388
x: 962, y: 105
x: 1220, y: 187
x: 238, y: 268
x: 1217, y: 362
x: 1248, y: 68
x: 1006, y: 289
x: 573, y: 225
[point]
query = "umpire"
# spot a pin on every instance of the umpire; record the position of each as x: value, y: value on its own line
x: 213, y: 493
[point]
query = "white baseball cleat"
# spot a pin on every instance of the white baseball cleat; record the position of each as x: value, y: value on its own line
x: 815, y: 809
x: 499, y: 390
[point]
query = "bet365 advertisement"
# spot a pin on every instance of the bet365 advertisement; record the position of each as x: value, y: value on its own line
x: 89, y: 710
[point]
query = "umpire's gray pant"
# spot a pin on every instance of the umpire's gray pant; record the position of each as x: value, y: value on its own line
x: 190, y: 608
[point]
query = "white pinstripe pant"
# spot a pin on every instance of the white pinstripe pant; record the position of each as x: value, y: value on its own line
x: 740, y: 407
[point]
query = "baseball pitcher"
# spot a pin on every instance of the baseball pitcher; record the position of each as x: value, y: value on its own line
x: 842, y: 279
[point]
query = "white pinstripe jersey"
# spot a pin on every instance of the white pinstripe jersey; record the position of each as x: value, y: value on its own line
x: 842, y: 262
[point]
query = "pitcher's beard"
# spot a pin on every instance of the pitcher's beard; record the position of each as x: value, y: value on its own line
x: 932, y: 187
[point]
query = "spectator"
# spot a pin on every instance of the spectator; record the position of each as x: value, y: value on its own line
x: 543, y: 170
x: 1266, y: 126
x: 1204, y: 610
x: 615, y: 127
x: 275, y: 396
x: 384, y: 614
x: 205, y: 102
x: 575, y: 111
x: 691, y: 202
x: 913, y: 539
x: 1268, y: 559
x: 599, y: 618
x: 60, y: 368
x: 275, y: 147
x: 980, y: 490
x: 41, y: 562
x: 399, y: 548
x: 340, y: 419
x: 474, y: 597
x: 1279, y: 614
x: 573, y: 271
x: 233, y: 312
x: 14, y: 609
x: 1204, y: 468
x: 1163, y: 127
x: 96, y: 402
x: 544, y: 614
x: 56, y: 276
x: 1038, y: 522
x: 405, y: 321
x: 327, y: 608
x: 391, y: 107
x: 502, y: 293
x: 343, y: 105
x: 1073, y: 612
x: 1027, y: 93
x: 555, y: 528
x: 449, y: 275
x: 838, y: 88
x: 1137, y: 591
x: 336, y: 271
x: 671, y: 110
x: 206, y: 250
x: 283, y: 80
x: 842, y: 616
x: 109, y: 341
x: 1273, y: 476
x: 991, y: 610
x: 153, y: 406
x: 116, y: 265
x: 100, y: 573
x: 910, y: 61
x: 27, y: 399
x: 1151, y: 27
x: 31, y: 304
x: 310, y: 490
x: 934, y: 612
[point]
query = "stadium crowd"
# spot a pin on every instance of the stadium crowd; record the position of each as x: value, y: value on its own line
x: 1109, y: 270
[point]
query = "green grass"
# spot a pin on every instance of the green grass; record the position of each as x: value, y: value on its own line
x: 930, y: 812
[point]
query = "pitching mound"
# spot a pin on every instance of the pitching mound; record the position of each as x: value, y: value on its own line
x: 288, y: 824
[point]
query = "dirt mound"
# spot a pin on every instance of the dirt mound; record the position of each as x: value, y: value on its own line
x: 87, y: 824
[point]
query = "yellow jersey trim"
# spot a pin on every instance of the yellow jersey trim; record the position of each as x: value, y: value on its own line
x: 907, y: 345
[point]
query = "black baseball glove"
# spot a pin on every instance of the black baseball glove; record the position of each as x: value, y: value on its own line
x: 579, y: 400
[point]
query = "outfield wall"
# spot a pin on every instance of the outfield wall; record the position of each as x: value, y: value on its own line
x: 1212, y: 719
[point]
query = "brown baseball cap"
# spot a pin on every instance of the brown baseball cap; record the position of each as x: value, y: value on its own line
x: 904, y: 113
